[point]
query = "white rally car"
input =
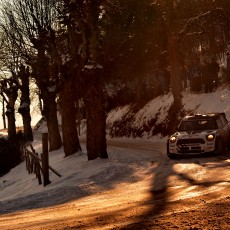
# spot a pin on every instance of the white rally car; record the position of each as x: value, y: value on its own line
x: 198, y: 134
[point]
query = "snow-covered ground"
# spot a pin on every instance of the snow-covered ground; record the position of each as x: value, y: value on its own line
x: 126, y: 164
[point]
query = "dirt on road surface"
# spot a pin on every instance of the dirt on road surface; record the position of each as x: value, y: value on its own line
x: 112, y: 210
x: 188, y: 194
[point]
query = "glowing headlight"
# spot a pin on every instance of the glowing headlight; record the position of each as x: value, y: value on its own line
x: 172, y: 139
x: 210, y: 137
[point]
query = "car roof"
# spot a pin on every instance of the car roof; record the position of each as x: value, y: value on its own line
x: 208, y: 116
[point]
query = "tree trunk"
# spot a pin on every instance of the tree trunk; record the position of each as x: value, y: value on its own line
x: 3, y: 113
x: 28, y: 134
x: 11, y: 90
x: 41, y: 72
x: 24, y: 108
x: 40, y: 102
x: 175, y: 63
x: 173, y: 52
x: 71, y: 142
x: 11, y: 123
x: 50, y: 113
x: 12, y: 95
x: 95, y: 116
x: 78, y: 116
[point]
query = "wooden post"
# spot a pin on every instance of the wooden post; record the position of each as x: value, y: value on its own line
x: 38, y: 172
x: 45, y: 159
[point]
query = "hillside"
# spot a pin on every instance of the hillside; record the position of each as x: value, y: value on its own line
x: 153, y: 118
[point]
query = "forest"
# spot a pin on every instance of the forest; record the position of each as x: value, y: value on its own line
x: 70, y: 53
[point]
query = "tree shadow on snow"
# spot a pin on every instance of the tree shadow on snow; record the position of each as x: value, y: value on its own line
x: 160, y: 197
x: 108, y: 178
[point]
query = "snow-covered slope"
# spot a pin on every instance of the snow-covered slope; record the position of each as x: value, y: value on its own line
x: 148, y: 120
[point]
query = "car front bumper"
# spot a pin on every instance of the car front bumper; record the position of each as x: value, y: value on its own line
x: 191, y: 148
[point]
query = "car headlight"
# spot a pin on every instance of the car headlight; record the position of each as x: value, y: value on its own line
x: 210, y: 137
x: 172, y: 139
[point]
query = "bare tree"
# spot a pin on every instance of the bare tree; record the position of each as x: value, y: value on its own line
x: 190, y: 18
x: 85, y: 17
x: 10, y: 61
x: 63, y: 53
x: 27, y: 21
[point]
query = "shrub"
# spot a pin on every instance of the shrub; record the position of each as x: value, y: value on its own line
x: 10, y: 154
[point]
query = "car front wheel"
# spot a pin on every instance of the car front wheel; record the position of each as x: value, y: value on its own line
x: 219, y: 147
x: 170, y: 155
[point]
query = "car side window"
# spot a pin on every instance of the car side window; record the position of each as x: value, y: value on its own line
x: 223, y: 120
x: 219, y: 123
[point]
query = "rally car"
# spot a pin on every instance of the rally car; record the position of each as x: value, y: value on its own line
x: 199, y: 134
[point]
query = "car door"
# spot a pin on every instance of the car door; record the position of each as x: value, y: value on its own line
x: 224, y: 129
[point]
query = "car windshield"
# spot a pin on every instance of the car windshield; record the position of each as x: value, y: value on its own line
x: 197, y: 125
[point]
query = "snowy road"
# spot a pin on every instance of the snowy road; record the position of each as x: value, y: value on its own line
x: 136, y: 184
x: 184, y: 178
